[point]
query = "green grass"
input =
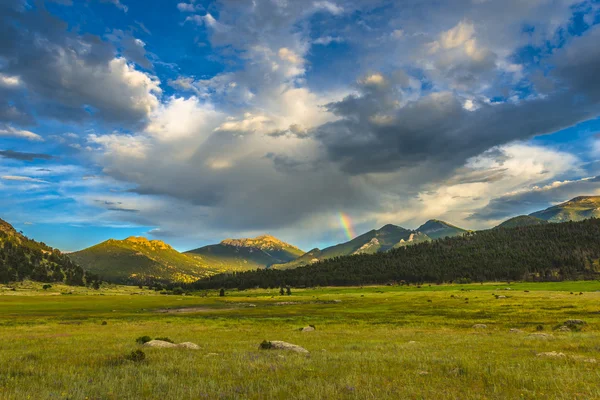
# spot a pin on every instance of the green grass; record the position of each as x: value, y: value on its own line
x: 375, y: 343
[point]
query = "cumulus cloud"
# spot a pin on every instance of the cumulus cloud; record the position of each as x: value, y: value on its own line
x: 71, y: 77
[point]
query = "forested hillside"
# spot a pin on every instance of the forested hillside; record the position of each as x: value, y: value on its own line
x: 22, y: 258
x: 569, y: 250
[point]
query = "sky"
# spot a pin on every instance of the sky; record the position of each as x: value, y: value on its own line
x: 190, y: 122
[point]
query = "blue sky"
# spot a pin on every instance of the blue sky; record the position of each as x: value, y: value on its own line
x: 193, y: 121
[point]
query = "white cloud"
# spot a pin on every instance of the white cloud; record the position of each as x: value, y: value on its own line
x: 22, y: 179
x: 9, y: 131
x: 9, y: 81
x: 327, y: 40
x: 329, y: 7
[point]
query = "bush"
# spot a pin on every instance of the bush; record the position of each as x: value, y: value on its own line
x: 46, y: 286
x: 136, y: 356
x: 539, y: 328
x: 104, y: 323
x: 222, y: 293
x: 265, y: 345
x: 178, y: 291
x: 165, y: 339
x: 143, y: 339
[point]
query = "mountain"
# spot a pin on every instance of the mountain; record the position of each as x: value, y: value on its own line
x: 437, y: 229
x: 244, y: 254
x: 547, y: 252
x: 521, y: 220
x: 22, y: 258
x: 139, y: 260
x: 576, y: 209
x: 374, y: 241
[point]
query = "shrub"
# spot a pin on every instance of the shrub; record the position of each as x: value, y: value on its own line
x: 46, y: 286
x: 165, y: 339
x: 178, y: 291
x: 136, y: 356
x: 143, y: 339
x: 104, y: 323
x: 539, y: 328
x: 265, y: 345
x: 222, y: 293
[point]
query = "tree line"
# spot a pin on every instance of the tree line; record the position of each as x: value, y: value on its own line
x: 22, y: 258
x: 551, y: 252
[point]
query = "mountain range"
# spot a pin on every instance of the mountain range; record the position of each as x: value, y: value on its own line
x: 139, y: 260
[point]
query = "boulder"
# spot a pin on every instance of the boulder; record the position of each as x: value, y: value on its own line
x: 515, y: 330
x: 571, y: 322
x: 564, y: 328
x: 189, y: 345
x: 309, y: 328
x: 160, y: 344
x: 479, y: 326
x: 279, y: 345
x: 167, y: 345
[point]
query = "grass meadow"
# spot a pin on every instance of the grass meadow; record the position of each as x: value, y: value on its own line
x: 370, y: 343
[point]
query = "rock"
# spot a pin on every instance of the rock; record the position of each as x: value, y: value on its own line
x: 189, y: 345
x: 167, y: 345
x: 479, y: 326
x: 551, y: 354
x: 564, y: 328
x: 279, y: 345
x: 309, y: 328
x: 412, y: 342
x: 160, y: 344
x: 501, y: 297
x: 571, y: 322
x: 423, y: 373
x: 515, y: 330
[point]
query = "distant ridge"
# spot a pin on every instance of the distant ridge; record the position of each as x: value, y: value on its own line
x: 244, y: 254
x: 576, y: 209
x: 374, y: 241
x: 521, y: 220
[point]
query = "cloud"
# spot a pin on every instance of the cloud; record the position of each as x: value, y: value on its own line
x: 10, y: 131
x: 22, y: 179
x: 329, y: 7
x: 118, y: 4
x: 17, y: 155
x: 67, y: 76
x: 327, y: 40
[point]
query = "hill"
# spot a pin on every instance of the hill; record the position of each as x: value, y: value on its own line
x: 22, y: 258
x: 521, y: 220
x: 244, y: 254
x: 576, y: 209
x: 568, y: 250
x: 374, y: 241
x: 437, y: 229
x: 137, y: 260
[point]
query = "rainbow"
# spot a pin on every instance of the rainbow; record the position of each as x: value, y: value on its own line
x: 346, y: 223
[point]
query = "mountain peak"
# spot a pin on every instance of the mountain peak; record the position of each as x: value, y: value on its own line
x: 142, y: 241
x: 262, y: 242
x: 435, y: 229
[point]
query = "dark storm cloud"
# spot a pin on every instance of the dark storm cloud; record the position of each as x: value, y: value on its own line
x: 17, y: 155
x: 373, y: 136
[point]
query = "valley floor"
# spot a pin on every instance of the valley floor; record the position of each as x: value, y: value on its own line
x: 369, y: 343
